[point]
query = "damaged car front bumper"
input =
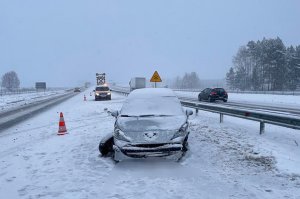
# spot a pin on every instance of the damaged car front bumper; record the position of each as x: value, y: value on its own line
x: 146, y: 150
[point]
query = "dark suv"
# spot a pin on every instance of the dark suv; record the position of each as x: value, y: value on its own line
x: 213, y: 94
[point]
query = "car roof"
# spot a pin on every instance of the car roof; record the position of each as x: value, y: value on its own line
x: 151, y: 93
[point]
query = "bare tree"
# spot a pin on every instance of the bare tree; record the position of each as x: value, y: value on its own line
x: 189, y: 80
x: 10, y: 80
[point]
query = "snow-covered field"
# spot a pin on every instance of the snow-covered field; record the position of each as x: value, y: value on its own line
x: 228, y: 160
x: 262, y: 99
x: 12, y: 101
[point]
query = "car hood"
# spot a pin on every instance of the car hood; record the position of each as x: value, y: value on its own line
x: 150, y: 130
x: 144, y: 124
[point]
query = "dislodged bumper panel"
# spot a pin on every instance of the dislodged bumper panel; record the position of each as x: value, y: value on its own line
x: 149, y: 151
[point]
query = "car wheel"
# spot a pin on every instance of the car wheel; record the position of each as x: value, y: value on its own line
x: 224, y: 100
x: 209, y: 99
x: 199, y: 98
x: 106, y: 148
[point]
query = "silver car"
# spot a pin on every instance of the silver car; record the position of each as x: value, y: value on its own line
x: 151, y: 123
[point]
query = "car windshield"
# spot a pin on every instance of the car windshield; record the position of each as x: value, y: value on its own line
x: 102, y: 89
x: 158, y: 106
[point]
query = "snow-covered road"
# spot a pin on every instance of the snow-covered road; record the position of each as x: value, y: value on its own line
x: 18, y: 100
x: 228, y: 160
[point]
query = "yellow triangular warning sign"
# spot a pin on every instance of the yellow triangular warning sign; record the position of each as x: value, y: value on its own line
x: 155, y: 77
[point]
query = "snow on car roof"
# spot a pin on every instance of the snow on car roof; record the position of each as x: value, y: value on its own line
x: 151, y: 93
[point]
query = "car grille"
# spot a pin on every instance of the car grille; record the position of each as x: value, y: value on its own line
x: 148, y: 145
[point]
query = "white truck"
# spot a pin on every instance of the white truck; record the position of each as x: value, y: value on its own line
x: 137, y: 82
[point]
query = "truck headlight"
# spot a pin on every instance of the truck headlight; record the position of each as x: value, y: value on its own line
x: 118, y: 134
x: 182, y: 131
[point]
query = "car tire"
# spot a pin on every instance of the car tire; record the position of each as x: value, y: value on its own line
x: 224, y: 100
x: 107, y: 147
x: 199, y: 98
x: 209, y: 99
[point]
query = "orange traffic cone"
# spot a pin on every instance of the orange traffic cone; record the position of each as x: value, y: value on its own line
x: 62, y: 130
x: 84, y: 98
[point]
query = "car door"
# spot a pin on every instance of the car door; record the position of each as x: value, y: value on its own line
x: 202, y: 94
x: 206, y: 93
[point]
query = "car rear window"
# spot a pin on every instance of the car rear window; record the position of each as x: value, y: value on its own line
x: 102, y: 89
x: 219, y: 90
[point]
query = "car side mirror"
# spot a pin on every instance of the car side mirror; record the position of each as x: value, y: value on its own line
x: 189, y: 112
x: 114, y: 113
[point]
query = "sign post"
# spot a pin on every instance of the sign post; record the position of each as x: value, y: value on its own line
x: 155, y: 78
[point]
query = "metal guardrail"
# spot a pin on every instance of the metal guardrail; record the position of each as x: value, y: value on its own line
x: 275, y: 119
x: 248, y: 92
x: 18, y: 91
x: 11, y: 116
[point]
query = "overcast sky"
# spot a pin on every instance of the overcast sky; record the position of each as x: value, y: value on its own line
x: 65, y: 42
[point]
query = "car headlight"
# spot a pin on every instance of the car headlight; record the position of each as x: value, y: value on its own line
x: 97, y: 94
x: 118, y: 134
x: 108, y: 93
x: 182, y: 131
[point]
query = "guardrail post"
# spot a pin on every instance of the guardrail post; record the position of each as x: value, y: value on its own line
x: 221, y: 117
x: 197, y: 110
x: 261, y: 128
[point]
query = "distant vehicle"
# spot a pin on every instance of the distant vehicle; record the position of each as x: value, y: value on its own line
x: 151, y: 123
x: 213, y: 94
x: 137, y: 82
x: 77, y: 89
x: 102, y: 92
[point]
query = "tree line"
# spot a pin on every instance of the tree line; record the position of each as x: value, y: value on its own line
x: 188, y: 80
x: 265, y: 65
x: 10, y: 80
